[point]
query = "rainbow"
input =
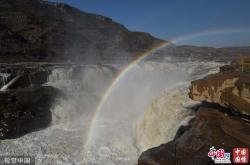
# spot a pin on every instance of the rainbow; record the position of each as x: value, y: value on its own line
x: 142, y: 56
x: 178, y: 39
x: 114, y: 82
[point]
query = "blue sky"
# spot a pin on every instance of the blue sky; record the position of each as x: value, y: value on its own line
x: 214, y: 22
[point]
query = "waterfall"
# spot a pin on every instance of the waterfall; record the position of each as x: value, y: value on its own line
x: 145, y: 108
x: 60, y: 74
x: 163, y: 117
x: 4, y: 78
x: 6, y: 86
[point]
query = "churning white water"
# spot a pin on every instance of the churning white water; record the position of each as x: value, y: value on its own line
x: 163, y: 117
x: 144, y: 109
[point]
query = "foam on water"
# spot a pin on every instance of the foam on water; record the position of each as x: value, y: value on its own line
x: 62, y: 142
x: 163, y: 117
x: 128, y: 122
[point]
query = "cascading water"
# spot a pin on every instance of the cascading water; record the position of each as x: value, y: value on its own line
x: 163, y: 117
x: 62, y: 142
x: 144, y: 109
x: 4, y: 78
x: 120, y: 134
x: 5, y: 83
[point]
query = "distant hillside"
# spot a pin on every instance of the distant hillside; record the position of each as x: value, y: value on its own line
x: 201, y: 53
x: 41, y: 31
x: 35, y: 30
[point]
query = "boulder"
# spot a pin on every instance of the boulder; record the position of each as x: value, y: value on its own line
x: 25, y: 110
x: 209, y: 128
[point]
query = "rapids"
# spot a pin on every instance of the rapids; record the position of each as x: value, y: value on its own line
x: 144, y: 109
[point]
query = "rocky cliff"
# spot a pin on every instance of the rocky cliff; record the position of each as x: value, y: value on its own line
x: 42, y: 31
x: 37, y: 30
x: 229, y: 88
x: 209, y: 128
x: 195, y: 53
x: 222, y: 120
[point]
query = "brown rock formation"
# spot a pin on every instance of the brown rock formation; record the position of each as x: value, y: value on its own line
x: 209, y: 128
x: 229, y: 88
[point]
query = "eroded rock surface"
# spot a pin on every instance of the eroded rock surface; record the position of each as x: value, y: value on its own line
x: 209, y: 128
x: 229, y: 88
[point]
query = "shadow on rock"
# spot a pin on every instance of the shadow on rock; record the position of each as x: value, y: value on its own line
x: 26, y: 110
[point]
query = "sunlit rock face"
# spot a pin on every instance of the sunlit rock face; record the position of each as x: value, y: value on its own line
x: 243, y: 89
x: 238, y: 97
x: 211, y: 88
x: 227, y: 89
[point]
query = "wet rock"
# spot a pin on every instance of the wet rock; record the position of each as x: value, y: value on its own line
x: 30, y: 79
x: 209, y: 128
x: 25, y: 110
